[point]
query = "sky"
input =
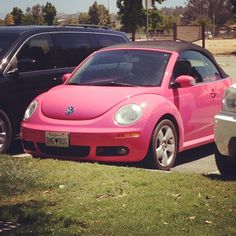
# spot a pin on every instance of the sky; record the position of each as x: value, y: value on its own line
x: 71, y: 6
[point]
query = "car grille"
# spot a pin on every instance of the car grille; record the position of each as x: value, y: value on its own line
x: 72, y: 151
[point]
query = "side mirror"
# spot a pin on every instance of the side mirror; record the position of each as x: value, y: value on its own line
x: 185, y: 81
x: 66, y: 77
x: 26, y: 65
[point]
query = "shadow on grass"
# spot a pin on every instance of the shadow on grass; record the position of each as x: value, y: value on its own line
x: 23, y: 215
x: 219, y: 177
x: 34, y: 216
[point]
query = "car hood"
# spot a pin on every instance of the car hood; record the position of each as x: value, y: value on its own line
x: 69, y: 102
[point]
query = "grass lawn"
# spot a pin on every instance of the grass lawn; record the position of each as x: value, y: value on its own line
x: 51, y: 197
x: 220, y: 46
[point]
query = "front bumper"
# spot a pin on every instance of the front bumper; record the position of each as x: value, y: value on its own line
x: 225, y: 133
x: 109, y: 145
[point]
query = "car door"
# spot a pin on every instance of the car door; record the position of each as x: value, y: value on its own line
x: 36, y: 71
x: 197, y: 104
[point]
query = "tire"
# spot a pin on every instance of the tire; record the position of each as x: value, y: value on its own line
x: 225, y: 164
x: 5, y: 132
x: 163, y: 146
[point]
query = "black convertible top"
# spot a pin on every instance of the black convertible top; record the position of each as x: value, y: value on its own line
x: 168, y: 45
x: 175, y: 46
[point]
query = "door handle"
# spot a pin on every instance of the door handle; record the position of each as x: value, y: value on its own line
x: 57, y: 79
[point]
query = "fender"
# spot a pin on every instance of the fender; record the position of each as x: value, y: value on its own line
x: 155, y: 107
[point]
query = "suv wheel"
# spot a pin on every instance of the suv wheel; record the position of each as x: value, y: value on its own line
x: 225, y: 164
x: 5, y: 132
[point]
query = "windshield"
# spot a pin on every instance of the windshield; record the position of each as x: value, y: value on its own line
x: 6, y: 41
x: 122, y: 68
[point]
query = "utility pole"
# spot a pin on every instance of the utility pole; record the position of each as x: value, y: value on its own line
x: 146, y: 3
x: 213, y: 23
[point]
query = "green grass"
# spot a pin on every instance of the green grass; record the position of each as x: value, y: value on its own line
x: 51, y: 197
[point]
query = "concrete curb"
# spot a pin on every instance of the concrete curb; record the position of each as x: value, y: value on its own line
x: 22, y: 155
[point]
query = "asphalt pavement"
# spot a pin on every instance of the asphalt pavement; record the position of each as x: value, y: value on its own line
x: 228, y: 63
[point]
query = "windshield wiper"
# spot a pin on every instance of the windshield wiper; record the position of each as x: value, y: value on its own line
x: 116, y: 83
x: 72, y: 83
x: 103, y: 83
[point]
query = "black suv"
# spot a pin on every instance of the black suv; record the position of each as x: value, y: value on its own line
x: 34, y: 58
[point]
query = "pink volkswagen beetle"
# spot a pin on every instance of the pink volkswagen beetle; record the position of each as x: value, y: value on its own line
x: 129, y: 102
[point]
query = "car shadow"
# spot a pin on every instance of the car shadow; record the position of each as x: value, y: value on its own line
x: 181, y: 159
x: 195, y: 154
x: 16, y: 148
x: 219, y: 177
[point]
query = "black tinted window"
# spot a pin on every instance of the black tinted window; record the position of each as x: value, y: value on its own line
x: 71, y: 48
x: 105, y: 40
x: 36, y: 54
x: 124, y: 67
x: 6, y: 40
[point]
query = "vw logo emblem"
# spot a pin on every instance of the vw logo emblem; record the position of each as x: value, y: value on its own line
x: 69, y: 110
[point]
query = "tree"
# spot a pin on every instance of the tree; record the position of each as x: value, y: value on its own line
x: 49, y: 13
x: 155, y: 19
x: 2, y: 22
x: 99, y: 15
x: 37, y: 12
x: 168, y: 22
x: 84, y: 18
x: 233, y: 4
x: 28, y: 17
x: 9, y: 20
x: 34, y: 15
x: 18, y: 15
x: 132, y: 15
x: 216, y: 11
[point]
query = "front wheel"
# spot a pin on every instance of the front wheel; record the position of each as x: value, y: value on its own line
x: 5, y: 132
x: 225, y: 164
x: 163, y: 146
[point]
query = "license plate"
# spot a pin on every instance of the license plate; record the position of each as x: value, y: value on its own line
x: 57, y: 139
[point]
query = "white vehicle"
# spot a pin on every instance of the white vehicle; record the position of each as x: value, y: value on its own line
x: 225, y: 134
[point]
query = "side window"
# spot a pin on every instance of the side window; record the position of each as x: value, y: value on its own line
x: 35, y: 54
x: 213, y: 73
x: 197, y: 65
x: 71, y: 48
x: 105, y: 40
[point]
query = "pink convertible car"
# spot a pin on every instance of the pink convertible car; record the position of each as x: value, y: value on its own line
x: 129, y: 102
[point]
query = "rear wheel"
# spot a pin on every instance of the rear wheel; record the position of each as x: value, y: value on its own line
x: 163, y: 146
x: 225, y: 164
x: 5, y: 132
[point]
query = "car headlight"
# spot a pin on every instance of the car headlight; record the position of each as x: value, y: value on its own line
x: 128, y: 114
x: 30, y: 109
x: 229, y: 101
